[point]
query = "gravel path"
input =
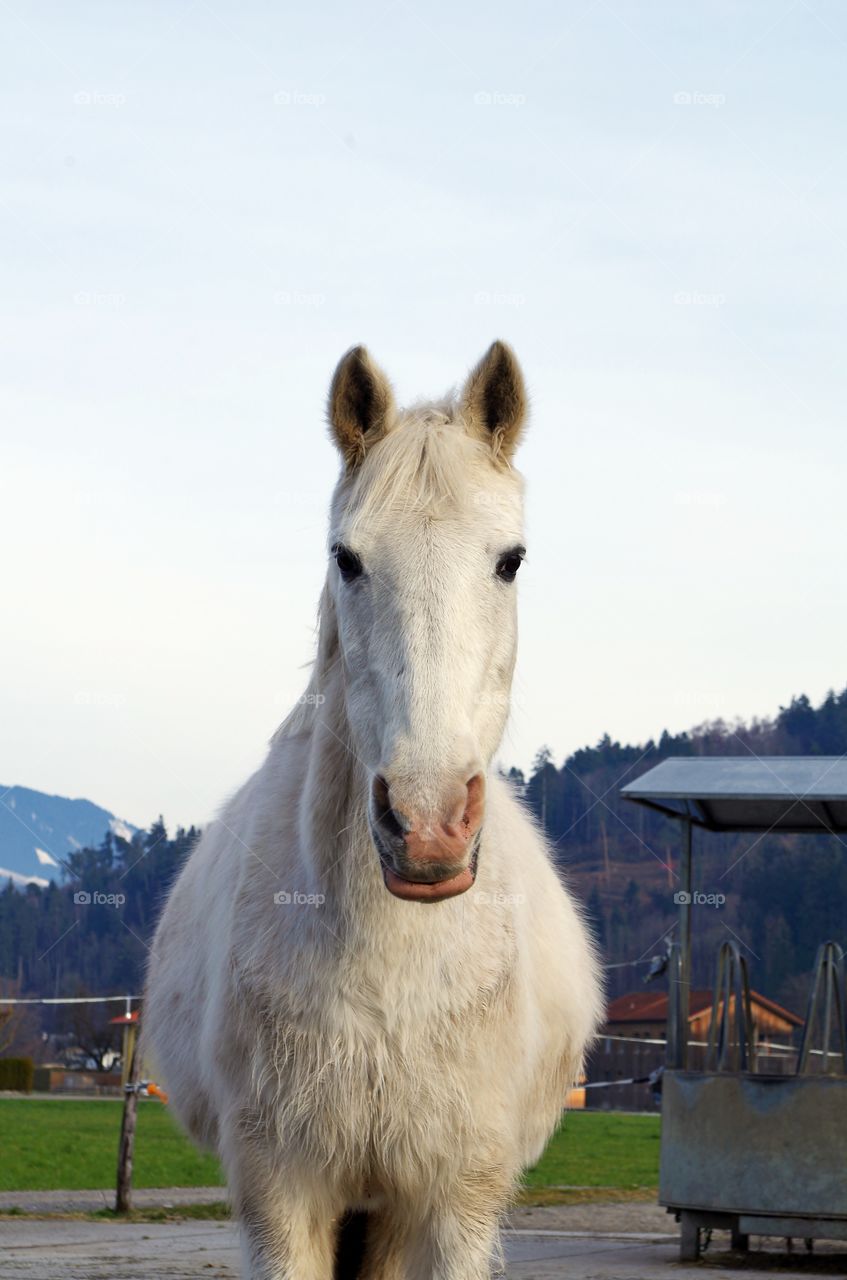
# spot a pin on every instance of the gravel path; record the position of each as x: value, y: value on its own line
x: 81, y: 1250
x: 630, y: 1241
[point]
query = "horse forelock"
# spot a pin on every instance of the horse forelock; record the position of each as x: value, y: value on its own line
x: 427, y: 465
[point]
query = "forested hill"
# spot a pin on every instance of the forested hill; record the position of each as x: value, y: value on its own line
x: 783, y: 894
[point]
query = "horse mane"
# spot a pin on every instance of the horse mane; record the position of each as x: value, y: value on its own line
x: 301, y: 716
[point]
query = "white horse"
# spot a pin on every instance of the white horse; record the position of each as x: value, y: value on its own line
x: 369, y: 990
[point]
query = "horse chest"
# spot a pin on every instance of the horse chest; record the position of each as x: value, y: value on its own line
x: 369, y: 1094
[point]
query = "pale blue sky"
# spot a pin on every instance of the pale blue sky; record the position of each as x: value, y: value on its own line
x: 204, y: 205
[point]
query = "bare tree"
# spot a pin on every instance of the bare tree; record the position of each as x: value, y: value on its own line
x: 92, y: 1031
x: 20, y: 1029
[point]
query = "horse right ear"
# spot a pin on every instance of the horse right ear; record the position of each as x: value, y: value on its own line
x: 361, y: 405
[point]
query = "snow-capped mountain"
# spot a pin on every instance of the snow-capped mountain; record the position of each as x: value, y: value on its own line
x: 38, y: 831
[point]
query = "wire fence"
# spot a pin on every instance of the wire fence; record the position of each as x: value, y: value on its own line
x: 68, y: 999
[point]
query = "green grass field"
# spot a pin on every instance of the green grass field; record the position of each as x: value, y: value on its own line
x: 54, y: 1144
x: 600, y: 1149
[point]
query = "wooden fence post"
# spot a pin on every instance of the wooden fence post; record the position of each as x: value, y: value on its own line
x: 123, y: 1196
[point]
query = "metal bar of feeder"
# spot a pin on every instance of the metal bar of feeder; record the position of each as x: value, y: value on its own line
x: 683, y: 1000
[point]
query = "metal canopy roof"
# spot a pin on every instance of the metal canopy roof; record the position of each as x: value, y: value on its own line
x: 749, y: 793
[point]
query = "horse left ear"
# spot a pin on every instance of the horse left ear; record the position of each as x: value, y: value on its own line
x: 494, y: 400
x: 361, y: 404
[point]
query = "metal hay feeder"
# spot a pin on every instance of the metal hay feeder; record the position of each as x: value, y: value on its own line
x: 758, y: 1154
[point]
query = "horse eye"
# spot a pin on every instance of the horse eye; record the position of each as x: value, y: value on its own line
x: 508, y: 564
x: 349, y: 564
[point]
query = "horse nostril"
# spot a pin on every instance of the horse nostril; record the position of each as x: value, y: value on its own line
x: 383, y: 812
x: 475, y: 801
x: 380, y: 792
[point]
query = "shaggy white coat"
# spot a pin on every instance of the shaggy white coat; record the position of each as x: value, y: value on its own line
x: 338, y: 1047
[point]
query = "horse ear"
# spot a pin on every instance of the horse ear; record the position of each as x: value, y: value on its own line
x: 361, y: 404
x: 494, y: 400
